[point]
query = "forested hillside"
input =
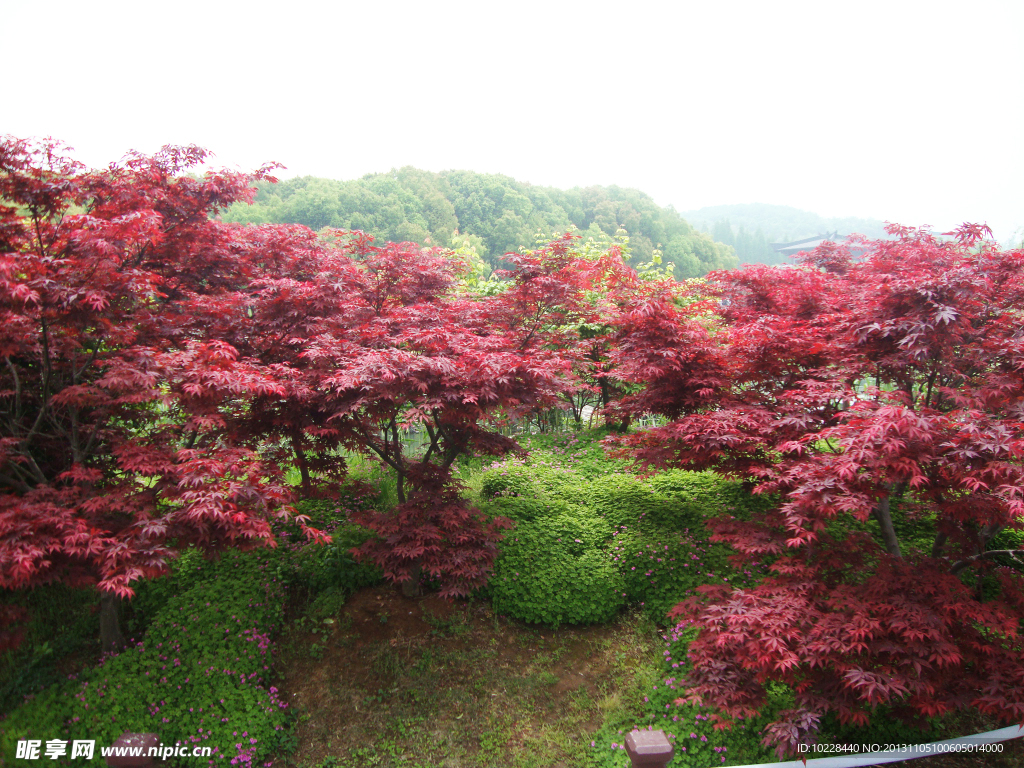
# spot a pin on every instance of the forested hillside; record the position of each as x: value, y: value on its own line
x: 495, y: 214
x: 751, y: 229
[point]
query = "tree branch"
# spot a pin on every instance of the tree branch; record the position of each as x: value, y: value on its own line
x: 13, y: 482
x: 17, y: 388
x: 1012, y: 553
x: 433, y: 442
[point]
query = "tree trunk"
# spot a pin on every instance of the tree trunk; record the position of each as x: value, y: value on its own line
x: 111, y: 637
x: 400, y: 486
x: 884, y: 517
x: 411, y: 588
x: 937, y: 545
x: 300, y: 460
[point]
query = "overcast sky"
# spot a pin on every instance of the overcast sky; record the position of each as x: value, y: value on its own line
x: 911, y: 112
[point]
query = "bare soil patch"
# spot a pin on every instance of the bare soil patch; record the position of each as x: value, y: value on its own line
x: 427, y: 682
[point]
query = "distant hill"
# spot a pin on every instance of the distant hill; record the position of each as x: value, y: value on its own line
x: 751, y: 228
x: 494, y: 214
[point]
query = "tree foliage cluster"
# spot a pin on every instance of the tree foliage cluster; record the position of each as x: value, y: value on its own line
x: 495, y: 214
x: 750, y: 247
x: 881, y: 401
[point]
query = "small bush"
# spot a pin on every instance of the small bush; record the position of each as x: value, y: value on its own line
x: 536, y: 478
x: 332, y: 566
x: 507, y: 479
x: 627, y: 500
x: 553, y: 571
x: 328, y: 603
x: 524, y: 509
x: 555, y: 590
x: 661, y: 568
x: 575, y: 532
x: 709, y: 494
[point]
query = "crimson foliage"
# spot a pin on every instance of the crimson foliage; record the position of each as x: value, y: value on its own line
x: 114, y: 400
x: 397, y: 348
x: 880, y: 399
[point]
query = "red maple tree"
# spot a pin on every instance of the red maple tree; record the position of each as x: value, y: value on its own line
x: 403, y: 350
x: 115, y: 400
x: 880, y: 400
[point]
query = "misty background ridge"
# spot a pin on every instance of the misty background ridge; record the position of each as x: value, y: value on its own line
x: 493, y: 214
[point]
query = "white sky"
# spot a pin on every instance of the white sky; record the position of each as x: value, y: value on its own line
x: 904, y: 111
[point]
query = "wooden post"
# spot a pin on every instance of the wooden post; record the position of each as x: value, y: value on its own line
x: 141, y: 741
x: 650, y: 749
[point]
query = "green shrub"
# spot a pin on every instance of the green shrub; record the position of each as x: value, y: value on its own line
x: 627, y: 500
x: 332, y: 566
x: 574, y: 532
x: 551, y: 589
x: 507, y: 479
x: 199, y: 677
x: 151, y: 595
x: 553, y: 571
x: 710, y: 494
x: 524, y: 509
x: 661, y: 568
x: 536, y: 478
x: 552, y: 480
x: 328, y: 603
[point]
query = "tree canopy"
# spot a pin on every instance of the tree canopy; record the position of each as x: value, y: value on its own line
x: 496, y: 213
x: 880, y: 402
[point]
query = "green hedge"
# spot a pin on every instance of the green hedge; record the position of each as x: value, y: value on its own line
x: 660, y: 550
x: 555, y: 570
x: 660, y: 568
x: 674, y: 499
x: 628, y: 500
x: 710, y: 494
x: 524, y: 509
x: 507, y: 480
x: 332, y: 566
x: 513, y: 478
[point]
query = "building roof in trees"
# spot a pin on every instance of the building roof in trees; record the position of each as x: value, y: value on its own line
x: 808, y: 244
